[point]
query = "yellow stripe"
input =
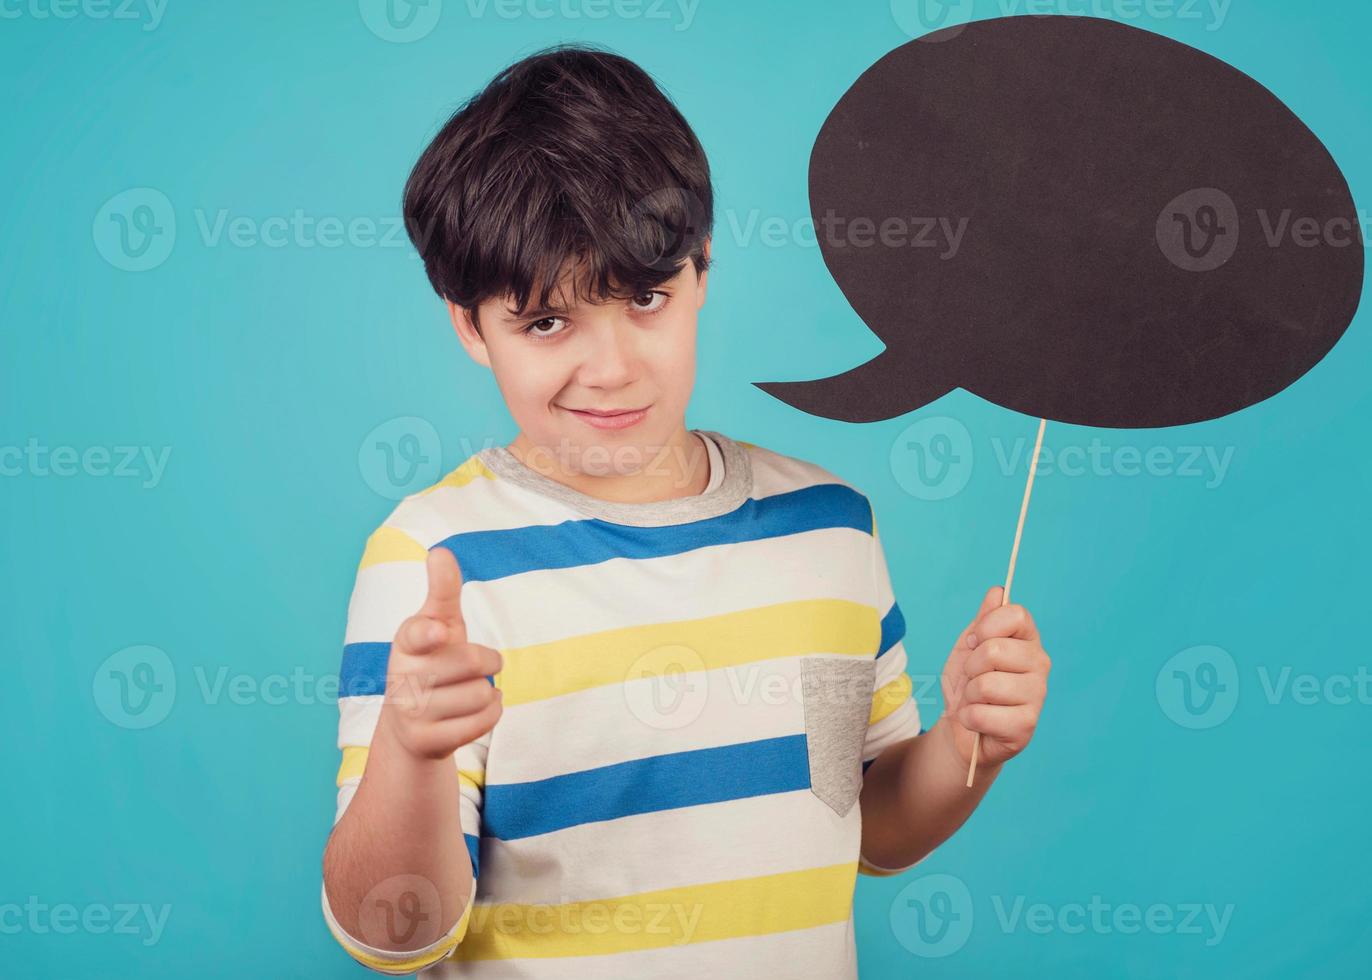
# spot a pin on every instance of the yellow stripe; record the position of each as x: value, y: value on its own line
x: 400, y: 967
x: 390, y: 544
x: 355, y: 761
x: 545, y: 670
x: 657, y: 919
x: 472, y: 469
x: 889, y: 697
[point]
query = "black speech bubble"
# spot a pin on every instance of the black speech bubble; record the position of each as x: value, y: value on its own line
x: 1076, y: 153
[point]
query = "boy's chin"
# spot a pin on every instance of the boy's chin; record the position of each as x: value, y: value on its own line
x: 601, y: 453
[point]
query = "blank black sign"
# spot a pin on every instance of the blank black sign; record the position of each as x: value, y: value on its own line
x: 1079, y: 220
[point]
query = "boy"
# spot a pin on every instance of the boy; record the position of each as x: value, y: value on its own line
x: 623, y: 699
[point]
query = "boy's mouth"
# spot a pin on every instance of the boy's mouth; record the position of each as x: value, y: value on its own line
x: 609, y: 418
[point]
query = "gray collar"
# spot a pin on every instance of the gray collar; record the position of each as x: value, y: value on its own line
x: 737, y: 485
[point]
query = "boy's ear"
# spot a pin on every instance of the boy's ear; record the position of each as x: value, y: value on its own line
x: 704, y: 277
x: 466, y: 332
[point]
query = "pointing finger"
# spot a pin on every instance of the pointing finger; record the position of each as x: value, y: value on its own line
x: 444, y: 601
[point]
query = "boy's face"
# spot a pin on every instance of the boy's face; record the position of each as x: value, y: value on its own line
x: 633, y: 353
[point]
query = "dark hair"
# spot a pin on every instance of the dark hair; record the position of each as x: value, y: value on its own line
x: 571, y: 154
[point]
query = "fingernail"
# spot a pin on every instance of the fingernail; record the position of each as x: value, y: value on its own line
x: 972, y: 640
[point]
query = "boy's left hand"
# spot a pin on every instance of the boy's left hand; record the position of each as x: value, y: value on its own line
x: 995, y: 681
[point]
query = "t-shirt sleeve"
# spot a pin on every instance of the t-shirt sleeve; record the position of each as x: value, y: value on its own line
x: 390, y: 586
x: 895, y: 714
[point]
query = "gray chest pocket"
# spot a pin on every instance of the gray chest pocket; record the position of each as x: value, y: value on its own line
x: 837, y: 695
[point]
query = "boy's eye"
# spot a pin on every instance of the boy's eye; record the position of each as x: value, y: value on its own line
x: 650, y: 297
x: 649, y: 303
x: 538, y: 334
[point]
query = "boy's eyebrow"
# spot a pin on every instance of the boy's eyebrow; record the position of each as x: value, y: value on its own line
x: 513, y: 314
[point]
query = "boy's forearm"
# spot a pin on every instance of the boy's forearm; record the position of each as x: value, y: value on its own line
x: 404, y: 820
x: 914, y: 796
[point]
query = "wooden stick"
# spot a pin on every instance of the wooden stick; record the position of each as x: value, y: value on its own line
x: 1010, y: 575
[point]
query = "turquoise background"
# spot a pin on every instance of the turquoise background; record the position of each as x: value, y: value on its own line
x: 266, y: 369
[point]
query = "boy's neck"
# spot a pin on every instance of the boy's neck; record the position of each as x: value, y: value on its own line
x: 681, y: 468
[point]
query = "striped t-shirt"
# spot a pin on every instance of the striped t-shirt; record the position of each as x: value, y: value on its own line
x: 693, y: 689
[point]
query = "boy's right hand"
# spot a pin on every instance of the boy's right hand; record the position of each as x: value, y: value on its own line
x: 437, y: 695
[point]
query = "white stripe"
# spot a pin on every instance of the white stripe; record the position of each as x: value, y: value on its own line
x: 346, y: 792
x: 891, y: 664
x: 774, y: 473
x: 742, y: 575
x: 636, y: 719
x: 496, y: 505
x: 611, y: 594
x: 691, y: 845
x: 384, y: 596
x: 357, y: 719
x: 387, y: 594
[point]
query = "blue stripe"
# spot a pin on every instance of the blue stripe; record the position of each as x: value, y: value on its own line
x: 488, y: 555
x: 364, y: 669
x: 511, y: 811
x: 892, y: 628
x: 474, y: 849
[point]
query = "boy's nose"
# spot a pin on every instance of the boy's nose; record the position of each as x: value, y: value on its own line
x: 610, y: 358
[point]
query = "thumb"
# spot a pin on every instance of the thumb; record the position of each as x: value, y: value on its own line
x: 990, y: 601
x: 444, y: 601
